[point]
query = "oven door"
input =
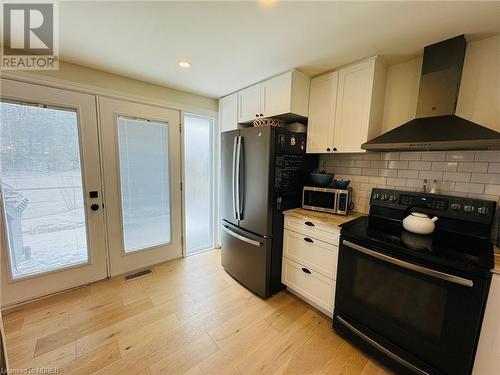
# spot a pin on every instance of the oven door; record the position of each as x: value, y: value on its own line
x: 426, y: 316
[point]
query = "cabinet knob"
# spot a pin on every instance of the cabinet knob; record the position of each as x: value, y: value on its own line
x: 334, y: 149
x: 261, y: 115
x: 307, y: 239
x: 309, y: 224
x: 305, y: 270
x: 328, y: 149
x: 256, y: 115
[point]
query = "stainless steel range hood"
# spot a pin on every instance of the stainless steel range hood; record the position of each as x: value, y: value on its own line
x: 436, y: 126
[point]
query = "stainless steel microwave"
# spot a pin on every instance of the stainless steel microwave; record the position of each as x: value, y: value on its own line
x: 334, y: 201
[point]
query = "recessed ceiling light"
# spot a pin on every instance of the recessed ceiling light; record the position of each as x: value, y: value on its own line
x: 184, y: 64
x: 267, y: 3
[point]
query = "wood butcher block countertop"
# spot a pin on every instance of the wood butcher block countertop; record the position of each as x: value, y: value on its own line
x: 322, y: 217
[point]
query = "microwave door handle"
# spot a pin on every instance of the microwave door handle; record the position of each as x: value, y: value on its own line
x: 410, y: 266
x: 337, y: 202
x: 233, y: 184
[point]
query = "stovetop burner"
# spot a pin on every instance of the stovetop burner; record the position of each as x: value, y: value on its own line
x: 461, y: 240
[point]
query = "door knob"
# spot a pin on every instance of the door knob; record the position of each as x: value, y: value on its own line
x: 94, y: 207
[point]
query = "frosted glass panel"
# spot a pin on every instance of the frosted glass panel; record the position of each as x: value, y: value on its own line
x: 42, y: 192
x: 199, y: 169
x: 144, y: 182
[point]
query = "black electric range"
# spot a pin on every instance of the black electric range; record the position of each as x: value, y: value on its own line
x: 416, y: 300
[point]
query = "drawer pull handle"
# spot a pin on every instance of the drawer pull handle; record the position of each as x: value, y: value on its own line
x: 306, y: 270
x: 309, y: 224
x: 307, y: 239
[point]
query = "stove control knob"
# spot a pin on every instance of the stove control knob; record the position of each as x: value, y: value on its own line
x: 482, y: 210
x: 383, y: 197
x: 469, y: 209
x: 393, y: 198
x: 376, y: 196
x: 456, y: 206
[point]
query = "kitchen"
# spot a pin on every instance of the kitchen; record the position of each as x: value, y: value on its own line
x: 397, y: 186
x: 354, y: 208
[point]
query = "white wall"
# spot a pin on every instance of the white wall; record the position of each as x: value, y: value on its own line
x: 479, y: 96
x: 126, y: 86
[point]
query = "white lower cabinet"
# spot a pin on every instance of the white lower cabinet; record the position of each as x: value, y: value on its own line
x: 310, y: 254
x: 317, y: 289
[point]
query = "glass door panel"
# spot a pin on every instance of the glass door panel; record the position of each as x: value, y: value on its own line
x: 42, y: 189
x: 199, y: 183
x: 144, y: 183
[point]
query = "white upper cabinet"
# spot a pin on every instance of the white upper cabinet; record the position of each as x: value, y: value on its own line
x: 322, y: 103
x: 275, y: 95
x: 249, y: 103
x: 285, y: 94
x: 228, y: 112
x: 356, y: 100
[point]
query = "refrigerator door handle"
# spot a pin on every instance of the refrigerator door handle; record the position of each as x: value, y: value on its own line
x: 240, y: 237
x: 237, y: 178
x: 233, y: 186
x: 241, y: 174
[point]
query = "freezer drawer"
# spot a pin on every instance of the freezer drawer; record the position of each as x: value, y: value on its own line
x: 246, y: 257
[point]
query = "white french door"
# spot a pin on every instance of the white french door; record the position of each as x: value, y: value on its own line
x: 141, y: 160
x: 53, y: 233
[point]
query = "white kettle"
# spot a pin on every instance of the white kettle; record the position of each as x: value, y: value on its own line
x: 419, y: 223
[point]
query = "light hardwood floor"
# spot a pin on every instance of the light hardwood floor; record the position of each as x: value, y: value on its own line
x: 187, y: 317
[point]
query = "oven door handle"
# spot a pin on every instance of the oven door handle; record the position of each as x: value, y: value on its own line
x: 395, y: 357
x: 410, y: 266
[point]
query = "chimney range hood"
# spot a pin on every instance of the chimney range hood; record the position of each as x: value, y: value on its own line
x: 436, y: 126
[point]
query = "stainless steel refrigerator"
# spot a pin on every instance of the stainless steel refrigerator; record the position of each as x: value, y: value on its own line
x: 263, y: 172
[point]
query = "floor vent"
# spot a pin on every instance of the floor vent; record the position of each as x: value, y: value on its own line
x: 137, y: 274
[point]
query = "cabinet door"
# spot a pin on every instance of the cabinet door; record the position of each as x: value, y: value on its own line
x: 228, y: 112
x: 322, y: 104
x: 249, y: 103
x: 353, y: 106
x: 275, y: 95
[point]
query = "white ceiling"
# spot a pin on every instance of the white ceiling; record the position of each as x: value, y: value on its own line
x: 234, y: 44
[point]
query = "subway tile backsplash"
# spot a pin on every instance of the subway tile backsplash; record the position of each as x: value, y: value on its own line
x: 465, y: 173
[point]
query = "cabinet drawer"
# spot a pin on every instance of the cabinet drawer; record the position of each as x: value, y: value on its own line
x: 311, y: 228
x: 314, y: 286
x: 318, y: 255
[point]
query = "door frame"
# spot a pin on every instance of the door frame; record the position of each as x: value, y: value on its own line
x: 216, y: 179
